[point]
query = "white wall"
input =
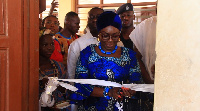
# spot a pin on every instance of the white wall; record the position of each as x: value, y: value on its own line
x: 177, y: 78
x: 65, y: 6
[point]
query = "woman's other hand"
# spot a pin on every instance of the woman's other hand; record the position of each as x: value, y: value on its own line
x: 127, y: 92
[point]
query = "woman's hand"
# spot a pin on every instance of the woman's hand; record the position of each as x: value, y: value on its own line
x: 127, y: 92
x: 114, y: 92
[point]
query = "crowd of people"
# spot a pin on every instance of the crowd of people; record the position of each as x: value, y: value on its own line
x: 111, y: 49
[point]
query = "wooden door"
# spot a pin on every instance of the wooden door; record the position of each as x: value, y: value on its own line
x: 19, y: 55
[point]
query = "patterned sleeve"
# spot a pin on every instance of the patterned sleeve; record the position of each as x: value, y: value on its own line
x: 82, y: 72
x: 134, y: 72
x: 61, y: 69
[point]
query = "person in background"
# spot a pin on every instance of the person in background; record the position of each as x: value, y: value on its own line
x: 51, y: 22
x: 144, y: 37
x: 50, y: 68
x: 51, y: 26
x: 79, y: 44
x: 144, y: 101
x: 68, y: 34
x: 53, y: 6
x: 127, y: 16
x: 108, y: 62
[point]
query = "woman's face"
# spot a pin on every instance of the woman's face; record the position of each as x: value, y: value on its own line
x: 52, y: 23
x: 109, y: 36
x: 46, y: 46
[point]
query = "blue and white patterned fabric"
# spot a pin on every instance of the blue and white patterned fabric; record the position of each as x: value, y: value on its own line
x: 90, y: 65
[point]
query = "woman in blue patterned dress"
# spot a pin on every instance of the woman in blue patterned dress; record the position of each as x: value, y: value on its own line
x: 107, y: 62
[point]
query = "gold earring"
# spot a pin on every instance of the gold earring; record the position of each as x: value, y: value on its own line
x: 119, y: 40
x: 98, y: 39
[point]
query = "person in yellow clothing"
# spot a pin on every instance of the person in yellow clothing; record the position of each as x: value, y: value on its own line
x: 68, y: 34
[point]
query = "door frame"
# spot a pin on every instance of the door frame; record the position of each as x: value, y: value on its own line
x: 30, y: 84
x: 19, y: 55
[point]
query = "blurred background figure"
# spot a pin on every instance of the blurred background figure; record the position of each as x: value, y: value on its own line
x: 51, y: 26
x: 68, y: 34
x: 81, y: 43
x: 127, y: 16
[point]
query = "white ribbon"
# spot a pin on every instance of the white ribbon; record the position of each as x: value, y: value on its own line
x: 93, y: 82
x: 68, y: 86
x: 140, y: 87
x: 136, y: 87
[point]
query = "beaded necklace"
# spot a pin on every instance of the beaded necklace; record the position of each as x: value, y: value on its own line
x: 108, y: 53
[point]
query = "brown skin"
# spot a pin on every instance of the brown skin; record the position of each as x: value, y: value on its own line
x: 153, y: 70
x: 144, y: 73
x: 108, y: 46
x: 52, y: 23
x: 127, y: 19
x: 46, y: 48
x: 71, y: 26
x: 127, y: 23
x: 93, y: 14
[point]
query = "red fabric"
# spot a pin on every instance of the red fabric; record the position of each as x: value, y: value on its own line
x: 57, y: 55
x: 76, y: 36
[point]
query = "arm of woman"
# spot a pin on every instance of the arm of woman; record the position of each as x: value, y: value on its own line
x: 134, y: 75
x: 97, y: 92
x: 144, y: 73
x: 114, y: 92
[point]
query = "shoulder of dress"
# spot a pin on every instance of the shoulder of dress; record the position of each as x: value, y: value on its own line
x: 58, y: 37
x: 127, y: 50
x: 89, y: 48
x: 58, y: 64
